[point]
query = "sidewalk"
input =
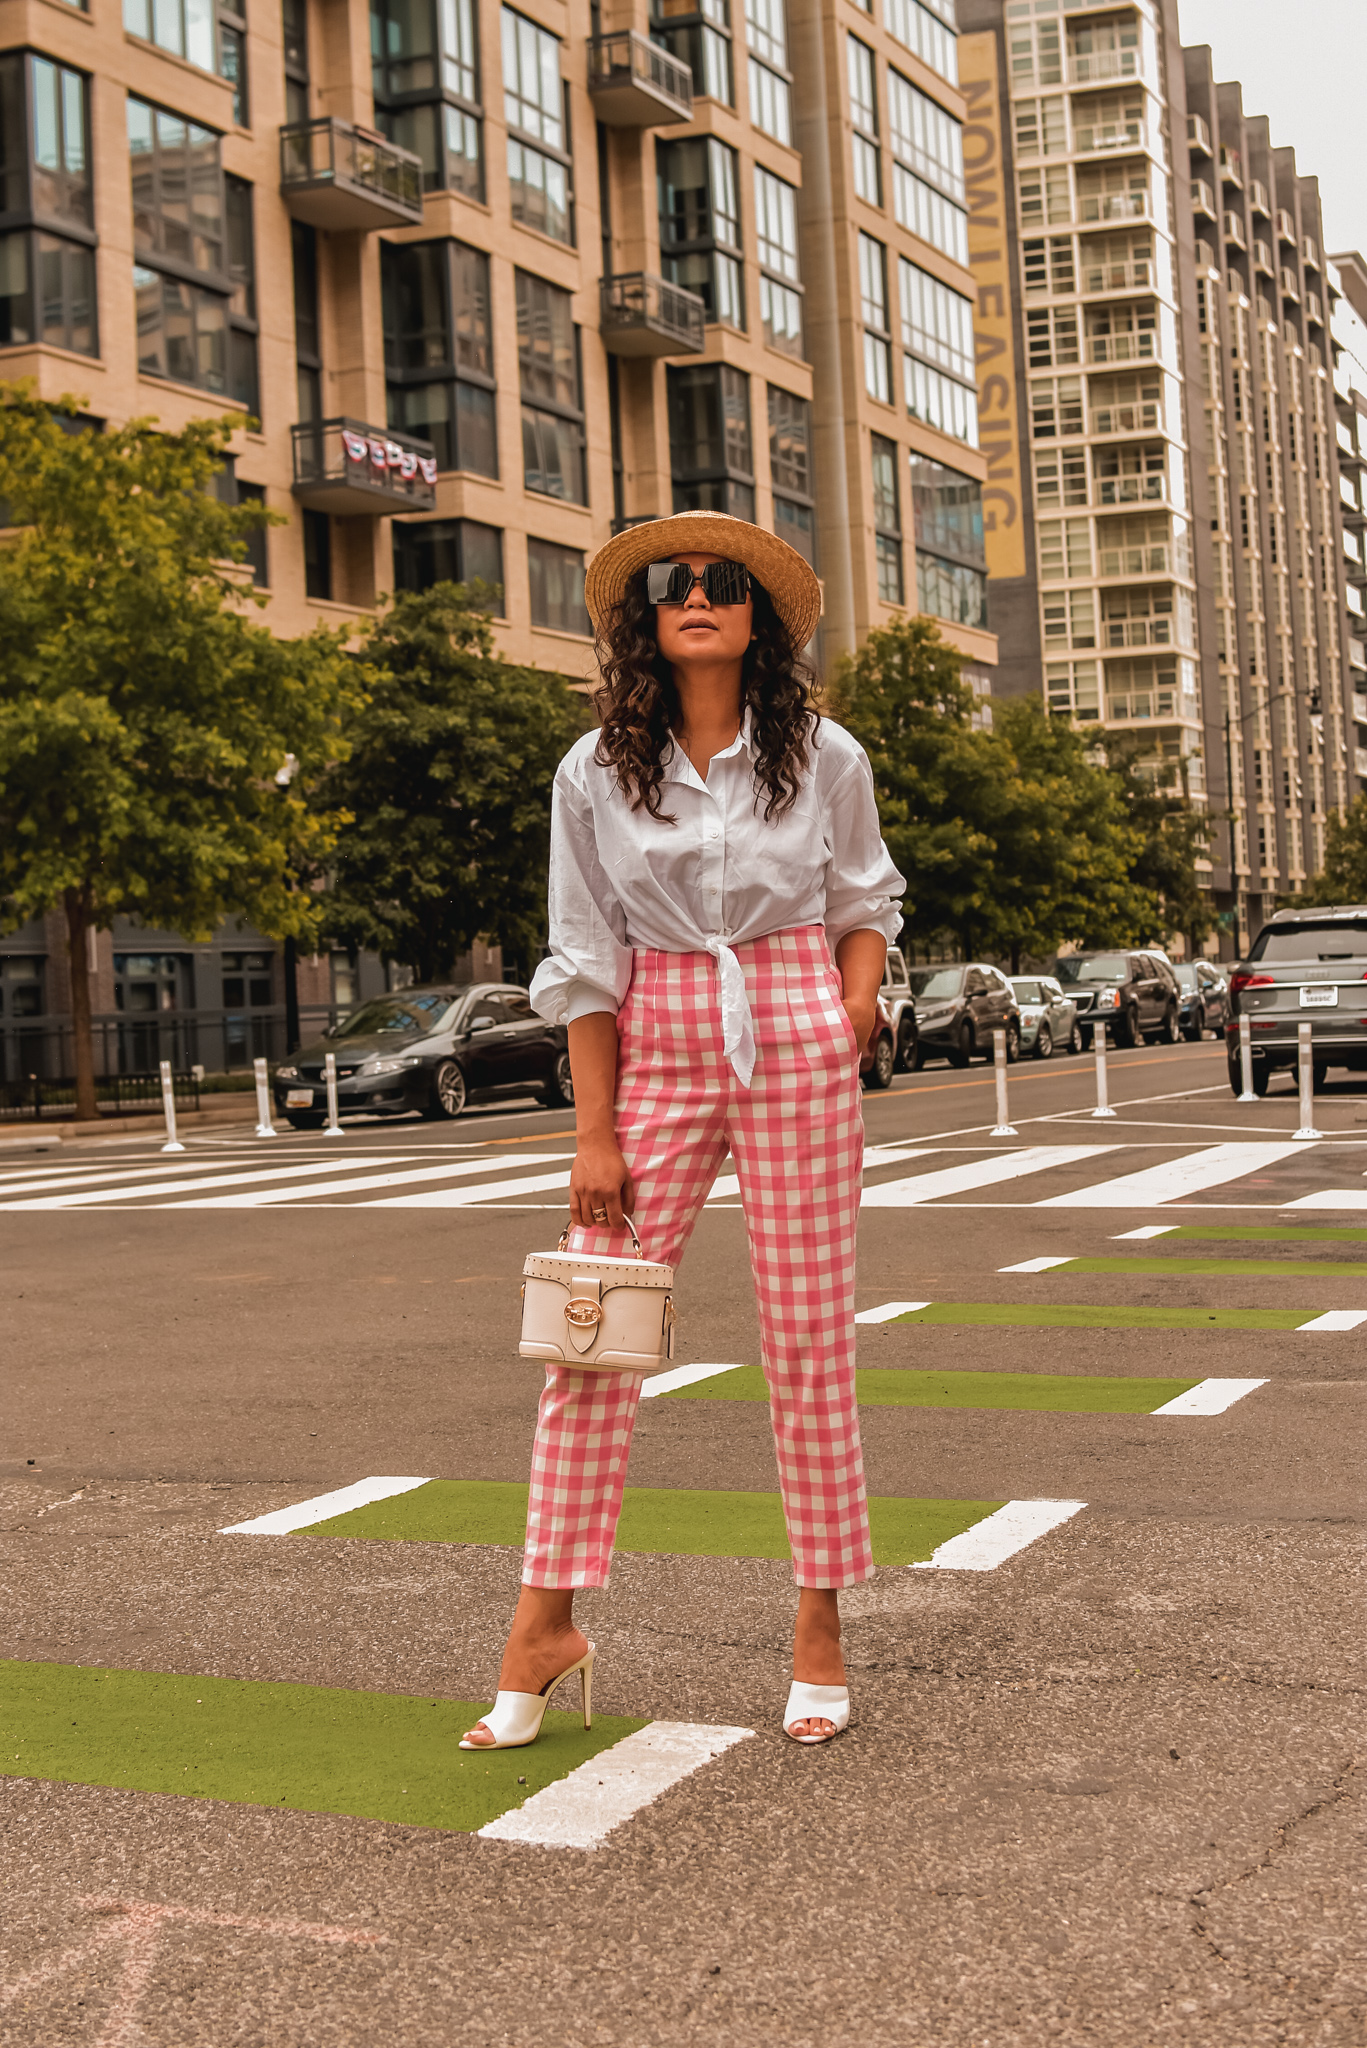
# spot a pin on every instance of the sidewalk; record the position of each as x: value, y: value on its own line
x: 238, y: 1108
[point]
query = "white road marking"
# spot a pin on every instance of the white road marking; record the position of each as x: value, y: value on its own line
x: 261, y: 1198
x: 1209, y: 1397
x: 1153, y: 1185
x: 888, y: 1311
x: 104, y: 1196
x: 682, y: 1376
x: 990, y: 1542
x: 463, y: 1198
x: 322, y: 1507
x: 727, y: 1186
x: 1335, y: 1319
x: 580, y: 1811
x: 46, y: 1181
x: 1330, y: 1198
x: 977, y: 1173
x: 1145, y: 1231
x: 1037, y: 1265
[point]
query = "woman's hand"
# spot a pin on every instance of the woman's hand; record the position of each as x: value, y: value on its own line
x: 599, y: 1179
x: 861, y: 957
x: 863, y: 1017
x: 599, y: 1183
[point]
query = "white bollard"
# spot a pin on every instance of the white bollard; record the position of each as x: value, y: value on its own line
x: 168, y: 1103
x: 333, y: 1129
x: 1307, y: 1078
x: 264, y: 1127
x: 1004, y: 1128
x: 1246, y: 1059
x: 1103, y: 1104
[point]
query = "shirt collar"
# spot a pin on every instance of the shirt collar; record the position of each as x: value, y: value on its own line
x: 678, y: 768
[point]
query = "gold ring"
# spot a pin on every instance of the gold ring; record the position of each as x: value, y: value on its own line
x: 599, y: 1215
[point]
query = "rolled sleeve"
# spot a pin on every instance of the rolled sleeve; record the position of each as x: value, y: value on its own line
x: 589, y: 964
x: 863, y: 889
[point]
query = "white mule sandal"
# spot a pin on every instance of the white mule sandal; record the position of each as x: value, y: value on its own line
x: 817, y: 1703
x: 515, y: 1718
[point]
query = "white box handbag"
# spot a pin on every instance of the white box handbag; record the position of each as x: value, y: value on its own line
x: 599, y: 1315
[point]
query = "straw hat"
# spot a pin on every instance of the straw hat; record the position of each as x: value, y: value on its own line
x: 791, y: 583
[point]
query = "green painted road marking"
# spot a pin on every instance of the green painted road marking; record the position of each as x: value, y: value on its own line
x: 309, y: 1748
x: 1259, y: 1233
x: 1092, y: 1316
x: 1055, y: 1393
x: 656, y: 1521
x: 1297, y: 1269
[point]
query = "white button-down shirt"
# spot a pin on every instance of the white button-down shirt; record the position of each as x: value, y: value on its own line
x: 719, y: 875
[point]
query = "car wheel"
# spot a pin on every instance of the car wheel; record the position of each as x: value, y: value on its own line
x: 918, y: 1058
x: 1319, y: 1074
x: 1262, y: 1074
x: 1196, y: 1030
x: 963, y: 1047
x: 304, y: 1123
x: 1044, y: 1043
x: 559, y: 1093
x: 1077, y: 1039
x: 1126, y: 1030
x: 449, y: 1095
x: 1013, y: 1043
x: 884, y: 1063
x: 1172, y: 1030
x: 908, y: 1050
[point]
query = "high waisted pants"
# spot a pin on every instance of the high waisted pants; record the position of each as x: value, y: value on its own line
x: 796, y: 1137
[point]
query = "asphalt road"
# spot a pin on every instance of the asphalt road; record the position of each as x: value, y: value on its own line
x: 1104, y: 1792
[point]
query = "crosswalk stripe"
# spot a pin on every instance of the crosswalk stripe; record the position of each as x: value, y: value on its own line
x: 682, y: 1376
x: 304, y: 1513
x: 1337, y: 1319
x: 581, y: 1810
x: 888, y: 1311
x: 1035, y: 1266
x: 47, y: 1181
x: 1209, y: 1397
x: 978, y: 1173
x: 990, y: 1542
x: 263, y: 1198
x: 1331, y: 1198
x: 461, y: 1198
x: 1209, y: 1168
x: 176, y: 1187
x: 727, y: 1186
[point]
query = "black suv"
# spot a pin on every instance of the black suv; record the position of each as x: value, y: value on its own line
x: 1305, y: 966
x: 958, y: 1009
x: 1135, y: 995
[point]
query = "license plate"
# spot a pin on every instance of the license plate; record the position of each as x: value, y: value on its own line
x: 1319, y: 998
x: 299, y: 1098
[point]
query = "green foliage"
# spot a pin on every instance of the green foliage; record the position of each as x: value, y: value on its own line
x: 448, y: 784
x: 143, y: 717
x: 1170, y: 834
x: 1344, y: 879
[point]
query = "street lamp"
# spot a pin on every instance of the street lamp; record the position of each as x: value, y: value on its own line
x: 1279, y: 698
x: 284, y: 776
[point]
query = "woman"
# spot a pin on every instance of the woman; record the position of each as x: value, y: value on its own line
x: 711, y: 847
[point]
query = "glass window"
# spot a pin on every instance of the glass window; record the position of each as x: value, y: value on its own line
x: 243, y: 383
x: 430, y: 47
x: 317, y: 555
x: 887, y: 519
x: 61, y: 151
x: 864, y: 115
x: 184, y: 27
x: 534, y: 106
x: 698, y: 33
x: 556, y: 579
x: 709, y: 439
x: 937, y: 323
x: 552, y: 403
x: 924, y: 137
x: 47, y: 292
x: 948, y: 590
x: 790, y: 470
x: 776, y: 224
x: 770, y: 102
x: 766, y: 32
x: 428, y: 551
x: 932, y: 38
x: 182, y: 330
x: 922, y: 210
x: 178, y: 194
x: 940, y: 401
x: 438, y: 342
x: 700, y: 224
x: 948, y: 510
x: 873, y: 307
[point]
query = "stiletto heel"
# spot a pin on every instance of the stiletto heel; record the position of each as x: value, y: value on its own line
x: 515, y: 1718
x: 816, y: 1703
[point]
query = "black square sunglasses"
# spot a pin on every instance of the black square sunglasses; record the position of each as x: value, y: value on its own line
x: 722, y: 582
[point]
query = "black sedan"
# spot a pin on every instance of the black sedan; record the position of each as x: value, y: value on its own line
x: 1205, y: 998
x: 432, y: 1050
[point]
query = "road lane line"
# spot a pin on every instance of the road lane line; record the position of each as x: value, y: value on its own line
x: 581, y: 1810
x: 1337, y: 1319
x: 1010, y: 1530
x: 682, y: 1376
x: 727, y: 1186
x: 105, y: 1196
x: 48, y: 1182
x: 888, y: 1311
x: 1209, y: 1397
x: 322, y: 1507
x: 262, y: 1198
x: 1330, y: 1198
x: 1146, y: 1230
x: 1153, y: 1185
x: 979, y: 1173
x: 1035, y: 1266
x: 462, y: 1198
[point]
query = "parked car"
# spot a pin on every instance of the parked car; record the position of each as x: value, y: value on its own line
x: 1205, y: 998
x: 957, y: 1010
x: 1048, y: 1016
x: 896, y: 995
x: 1303, y: 965
x: 878, y: 1061
x: 1135, y: 995
x: 432, y: 1050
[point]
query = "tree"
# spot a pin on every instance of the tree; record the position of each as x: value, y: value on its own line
x: 448, y: 787
x: 143, y: 716
x: 1170, y: 833
x: 1344, y: 879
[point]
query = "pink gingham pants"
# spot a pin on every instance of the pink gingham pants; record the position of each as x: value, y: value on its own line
x: 797, y: 1139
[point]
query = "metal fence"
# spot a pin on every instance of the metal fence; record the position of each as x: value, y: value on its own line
x: 32, y: 1099
x: 38, y: 1062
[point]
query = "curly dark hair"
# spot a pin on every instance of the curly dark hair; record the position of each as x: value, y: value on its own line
x: 638, y: 703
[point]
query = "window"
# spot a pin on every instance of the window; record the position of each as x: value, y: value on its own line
x: 937, y: 323
x: 425, y: 72
x: 767, y: 74
x: 929, y: 31
x: 698, y: 33
x: 439, y: 353
x: 700, y: 224
x: 887, y: 520
x: 534, y: 106
x: 242, y: 324
x: 178, y: 195
x: 1069, y: 619
x: 940, y: 401
x: 790, y: 470
x: 873, y: 309
x: 556, y: 577
x: 184, y: 27
x: 1056, y: 408
x: 552, y: 400
x: 1041, y: 127
x: 428, y: 551
x: 1073, y: 689
x: 1065, y: 549
x: 1051, y: 337
x: 47, y: 280
x: 928, y: 169
x: 780, y: 295
x: 710, y: 455
x: 295, y: 25
x: 1047, y: 264
x: 868, y: 182
x: 230, y: 489
x: 21, y: 986
x: 951, y: 580
x: 317, y: 555
x: 307, y: 342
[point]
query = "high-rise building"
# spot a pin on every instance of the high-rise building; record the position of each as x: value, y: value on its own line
x: 1346, y: 279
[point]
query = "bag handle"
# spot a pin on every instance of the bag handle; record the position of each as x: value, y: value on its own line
x: 565, y: 1237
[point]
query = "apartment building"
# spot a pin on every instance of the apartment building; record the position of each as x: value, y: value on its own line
x: 1275, y: 546
x: 481, y: 282
x: 1346, y: 279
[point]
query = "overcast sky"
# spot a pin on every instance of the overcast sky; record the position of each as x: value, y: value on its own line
x: 1303, y: 63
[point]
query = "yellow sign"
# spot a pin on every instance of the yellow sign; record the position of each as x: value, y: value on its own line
x: 989, y: 252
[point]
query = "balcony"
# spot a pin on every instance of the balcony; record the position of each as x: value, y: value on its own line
x: 1231, y: 169
x: 633, y: 83
x: 1291, y: 286
x: 1257, y: 193
x: 1123, y: 348
x: 1262, y: 259
x: 1095, y: 207
x: 1105, y: 138
x: 1310, y: 254
x: 348, y: 467
x: 1135, y: 276
x: 1314, y: 308
x: 333, y: 175
x: 1145, y: 416
x: 1203, y: 200
x: 1234, y: 231
x: 1359, y: 707
x: 1286, y: 227
x: 1198, y: 134
x: 1104, y: 67
x: 642, y: 315
x: 1205, y: 256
